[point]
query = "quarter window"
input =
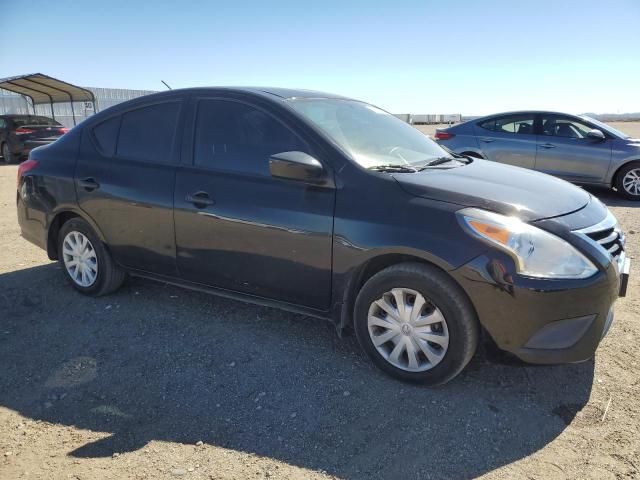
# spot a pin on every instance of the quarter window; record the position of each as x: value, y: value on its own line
x: 519, y: 124
x: 237, y: 137
x: 148, y: 133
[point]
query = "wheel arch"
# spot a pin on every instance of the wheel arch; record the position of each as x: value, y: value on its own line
x: 60, y: 218
x: 614, y: 177
x: 368, y: 269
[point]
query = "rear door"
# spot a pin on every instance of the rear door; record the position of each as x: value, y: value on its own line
x: 124, y: 182
x: 564, y: 150
x: 508, y: 139
x: 237, y: 227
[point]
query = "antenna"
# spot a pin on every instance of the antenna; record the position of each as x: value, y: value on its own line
x: 166, y: 84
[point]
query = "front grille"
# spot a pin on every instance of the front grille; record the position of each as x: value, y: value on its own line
x: 607, y: 235
x: 610, y: 239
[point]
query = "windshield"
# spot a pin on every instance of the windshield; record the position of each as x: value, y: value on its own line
x: 371, y: 136
x: 605, y: 127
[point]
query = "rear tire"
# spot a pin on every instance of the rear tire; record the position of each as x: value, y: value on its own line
x: 6, y: 154
x: 86, y: 262
x: 440, y: 338
x: 628, y: 181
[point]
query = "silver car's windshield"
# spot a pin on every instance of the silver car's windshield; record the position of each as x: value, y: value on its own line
x: 606, y: 127
x: 371, y: 136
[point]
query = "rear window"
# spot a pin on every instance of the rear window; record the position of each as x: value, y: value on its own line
x: 106, y: 135
x: 33, y: 121
x: 148, y: 133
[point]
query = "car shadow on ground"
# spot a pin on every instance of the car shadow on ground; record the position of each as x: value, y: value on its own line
x: 154, y: 362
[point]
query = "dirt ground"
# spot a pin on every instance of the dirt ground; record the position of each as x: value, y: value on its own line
x: 160, y: 382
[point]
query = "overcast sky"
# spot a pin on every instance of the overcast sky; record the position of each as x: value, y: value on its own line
x: 469, y: 57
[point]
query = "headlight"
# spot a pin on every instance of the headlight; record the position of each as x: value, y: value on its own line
x: 537, y: 253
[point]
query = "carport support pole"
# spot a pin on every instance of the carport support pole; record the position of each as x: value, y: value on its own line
x: 26, y: 103
x: 73, y: 113
x: 53, y: 115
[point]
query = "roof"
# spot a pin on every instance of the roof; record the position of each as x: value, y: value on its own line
x: 41, y: 89
x: 291, y: 92
x: 284, y: 93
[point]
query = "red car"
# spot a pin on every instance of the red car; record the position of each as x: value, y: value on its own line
x: 19, y: 134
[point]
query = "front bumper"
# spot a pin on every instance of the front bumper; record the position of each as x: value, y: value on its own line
x: 539, y: 320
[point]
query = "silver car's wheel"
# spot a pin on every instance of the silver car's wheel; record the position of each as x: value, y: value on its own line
x: 80, y: 259
x: 631, y: 181
x: 407, y: 330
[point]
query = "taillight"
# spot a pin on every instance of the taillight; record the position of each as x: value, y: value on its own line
x: 23, y: 131
x: 63, y: 130
x: 24, y: 167
x: 444, y: 135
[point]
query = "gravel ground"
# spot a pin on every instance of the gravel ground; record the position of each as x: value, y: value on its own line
x: 160, y: 382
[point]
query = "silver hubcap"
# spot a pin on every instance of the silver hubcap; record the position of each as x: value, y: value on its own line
x: 631, y: 181
x: 407, y: 330
x: 80, y: 259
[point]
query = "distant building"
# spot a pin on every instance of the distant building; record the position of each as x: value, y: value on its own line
x: 105, y: 97
x: 428, y: 119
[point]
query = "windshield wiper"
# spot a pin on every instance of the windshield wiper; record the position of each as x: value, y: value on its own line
x: 393, y: 168
x: 436, y: 161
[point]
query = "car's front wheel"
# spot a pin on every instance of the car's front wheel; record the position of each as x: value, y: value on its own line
x: 628, y: 181
x: 416, y: 323
x: 86, y: 262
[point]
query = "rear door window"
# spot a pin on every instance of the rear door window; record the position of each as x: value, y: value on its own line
x: 518, y: 124
x: 106, y: 135
x: 237, y: 137
x: 148, y: 133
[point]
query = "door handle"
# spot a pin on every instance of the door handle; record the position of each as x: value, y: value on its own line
x: 487, y: 140
x: 89, y: 184
x: 547, y: 145
x: 200, y: 199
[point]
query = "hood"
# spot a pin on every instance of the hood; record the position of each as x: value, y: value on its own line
x: 504, y: 189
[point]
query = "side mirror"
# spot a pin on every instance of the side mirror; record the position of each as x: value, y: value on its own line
x: 596, y: 135
x: 298, y: 166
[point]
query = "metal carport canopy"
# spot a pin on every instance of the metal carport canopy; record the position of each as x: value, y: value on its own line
x: 42, y: 89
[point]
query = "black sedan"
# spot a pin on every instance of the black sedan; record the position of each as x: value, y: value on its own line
x: 19, y: 134
x: 333, y: 208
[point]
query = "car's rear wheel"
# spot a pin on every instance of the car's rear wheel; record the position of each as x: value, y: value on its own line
x: 85, y: 260
x: 416, y: 323
x: 628, y: 181
x: 6, y: 153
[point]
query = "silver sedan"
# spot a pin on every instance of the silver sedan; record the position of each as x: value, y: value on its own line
x: 579, y: 149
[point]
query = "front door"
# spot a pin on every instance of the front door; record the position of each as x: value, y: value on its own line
x: 565, y: 150
x: 508, y: 139
x: 240, y: 229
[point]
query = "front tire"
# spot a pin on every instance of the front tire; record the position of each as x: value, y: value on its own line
x: 86, y: 262
x: 416, y: 323
x: 628, y: 181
